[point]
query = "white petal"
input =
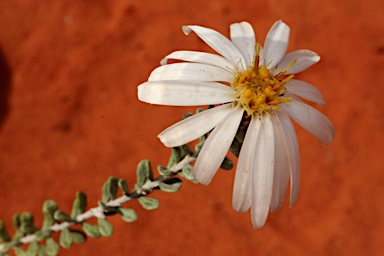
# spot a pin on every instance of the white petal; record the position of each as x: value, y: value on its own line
x: 194, y: 126
x: 184, y: 93
x: 243, y: 36
x: 293, y: 150
x: 216, y: 147
x: 220, y: 44
x: 241, y: 198
x: 281, y: 175
x: 276, y: 43
x: 311, y: 120
x: 191, y: 71
x: 304, y: 59
x: 305, y: 91
x: 200, y: 57
x: 262, y: 178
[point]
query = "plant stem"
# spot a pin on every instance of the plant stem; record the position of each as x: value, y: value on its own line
x: 98, y: 211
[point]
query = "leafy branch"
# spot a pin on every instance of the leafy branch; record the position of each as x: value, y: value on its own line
x: 30, y: 240
x: 59, y: 221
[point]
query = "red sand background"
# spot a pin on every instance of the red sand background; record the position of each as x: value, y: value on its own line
x: 70, y: 118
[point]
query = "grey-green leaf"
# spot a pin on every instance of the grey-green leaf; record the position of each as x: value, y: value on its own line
x: 188, y: 172
x: 78, y: 236
x: 42, y: 251
x: 49, y: 207
x: 199, y: 110
x: 227, y: 164
x: 27, y: 228
x: 198, y: 147
x: 144, y: 172
x: 79, y: 204
x: 33, y: 248
x: 112, y: 187
x: 105, y: 197
x: 4, y: 237
x: 61, y: 216
x: 19, y: 251
x: 48, y: 221
x: 26, y: 217
x: 42, y: 234
x: 18, y: 235
x: 174, y: 158
x: 16, y: 220
x: 185, y: 150
x: 170, y: 186
x: 128, y: 215
x: 124, y: 186
x: 52, y: 248
x: 65, y: 238
x: 148, y: 203
x: 163, y: 170
x: 105, y: 228
x: 109, y: 190
x: 91, y: 230
x: 187, y: 115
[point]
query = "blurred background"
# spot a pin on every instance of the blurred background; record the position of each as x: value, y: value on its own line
x: 70, y: 118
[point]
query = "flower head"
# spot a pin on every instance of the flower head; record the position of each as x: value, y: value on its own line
x: 247, y: 81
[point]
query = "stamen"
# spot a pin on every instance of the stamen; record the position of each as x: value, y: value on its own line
x: 257, y: 90
x: 286, y: 68
x: 257, y: 56
x: 264, y: 72
x: 269, y: 91
x: 287, y: 79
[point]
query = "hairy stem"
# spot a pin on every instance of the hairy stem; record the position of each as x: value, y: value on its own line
x: 98, y: 212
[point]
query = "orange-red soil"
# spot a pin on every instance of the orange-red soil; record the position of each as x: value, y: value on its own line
x: 70, y: 118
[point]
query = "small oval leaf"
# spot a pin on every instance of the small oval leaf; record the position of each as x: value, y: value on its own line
x: 91, y: 230
x: 61, y: 216
x: 174, y: 158
x: 170, y: 186
x: 33, y: 248
x: 4, y: 236
x: 124, y: 186
x: 163, y: 170
x: 79, y: 204
x: 227, y: 164
x: 112, y: 187
x: 78, y: 236
x: 26, y: 217
x: 144, y: 172
x: 19, y: 251
x: 65, y: 238
x: 52, y: 248
x: 188, y: 172
x: 49, y: 207
x: 128, y: 215
x: 105, y: 228
x: 148, y: 203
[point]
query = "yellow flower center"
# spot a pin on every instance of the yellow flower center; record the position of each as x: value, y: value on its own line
x: 258, y: 90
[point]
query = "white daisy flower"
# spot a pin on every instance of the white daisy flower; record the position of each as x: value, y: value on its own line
x: 247, y: 82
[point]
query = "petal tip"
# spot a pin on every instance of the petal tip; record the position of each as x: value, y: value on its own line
x: 140, y: 93
x: 186, y: 29
x: 164, y: 140
x: 164, y: 61
x: 201, y: 178
x: 257, y: 224
x: 316, y: 58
